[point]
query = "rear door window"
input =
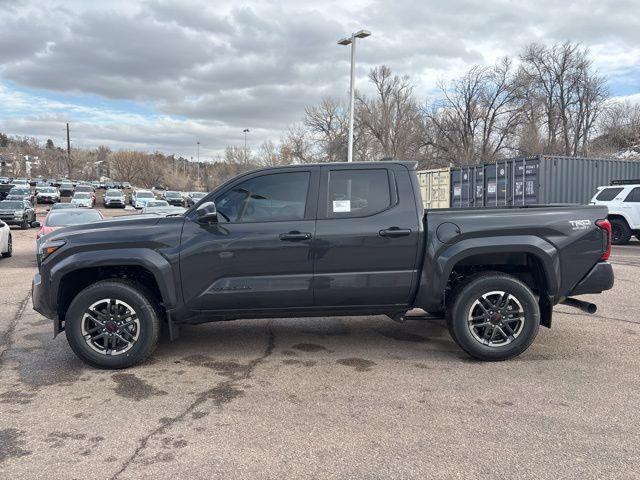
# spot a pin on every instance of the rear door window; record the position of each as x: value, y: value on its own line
x: 608, y: 194
x: 357, y: 193
x: 634, y: 195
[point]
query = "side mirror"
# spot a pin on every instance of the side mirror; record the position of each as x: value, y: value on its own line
x: 35, y: 224
x: 207, y: 212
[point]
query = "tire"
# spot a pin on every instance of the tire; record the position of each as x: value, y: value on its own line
x: 129, y: 294
x: 620, y: 231
x: 9, y: 251
x: 509, y: 337
x: 25, y: 224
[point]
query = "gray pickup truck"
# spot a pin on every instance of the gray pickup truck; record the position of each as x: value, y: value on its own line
x: 320, y: 240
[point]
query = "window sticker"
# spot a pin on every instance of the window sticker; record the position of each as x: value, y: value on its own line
x: 341, y: 206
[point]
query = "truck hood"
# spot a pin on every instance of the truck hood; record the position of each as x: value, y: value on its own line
x: 113, y: 229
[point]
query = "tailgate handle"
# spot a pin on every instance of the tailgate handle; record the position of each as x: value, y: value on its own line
x: 395, y: 232
x: 294, y: 236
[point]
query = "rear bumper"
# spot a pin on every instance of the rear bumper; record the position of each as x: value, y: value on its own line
x: 599, y: 279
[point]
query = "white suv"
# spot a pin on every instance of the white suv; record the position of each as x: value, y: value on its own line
x: 624, y: 210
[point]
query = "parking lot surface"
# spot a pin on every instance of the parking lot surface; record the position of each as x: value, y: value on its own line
x: 323, y: 397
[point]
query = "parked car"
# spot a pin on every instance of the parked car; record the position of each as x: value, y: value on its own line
x: 173, y: 198
x: 114, y: 198
x: 6, y: 243
x: 47, y: 195
x: 87, y: 189
x: 623, y: 202
x: 56, y: 219
x: 194, y: 197
x: 66, y: 189
x: 17, y: 212
x: 23, y: 193
x: 22, y: 182
x: 321, y: 240
x: 126, y: 185
x: 82, y: 199
x: 95, y: 185
x: 4, y: 180
x: 161, y: 207
x: 140, y: 197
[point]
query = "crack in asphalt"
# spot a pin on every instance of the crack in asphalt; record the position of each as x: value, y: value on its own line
x: 209, y: 394
x: 613, y: 319
x: 7, y: 339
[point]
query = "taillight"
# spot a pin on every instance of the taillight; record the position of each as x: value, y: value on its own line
x: 605, y: 225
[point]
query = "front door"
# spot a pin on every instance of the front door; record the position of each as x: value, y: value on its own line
x: 366, y: 237
x: 257, y: 256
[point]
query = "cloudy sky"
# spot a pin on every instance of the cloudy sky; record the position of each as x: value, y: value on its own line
x: 158, y: 75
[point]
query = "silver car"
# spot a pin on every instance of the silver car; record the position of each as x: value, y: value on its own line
x: 82, y: 199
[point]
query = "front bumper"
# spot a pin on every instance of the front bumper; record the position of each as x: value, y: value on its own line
x: 599, y: 279
x: 12, y: 220
x: 40, y: 302
x: 47, y: 199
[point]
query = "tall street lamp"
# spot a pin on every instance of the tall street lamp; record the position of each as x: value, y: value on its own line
x: 352, y: 41
x: 245, y: 131
x: 198, y: 156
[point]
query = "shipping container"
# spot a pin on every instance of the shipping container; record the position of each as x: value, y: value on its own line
x: 434, y: 187
x: 467, y: 186
x: 538, y: 180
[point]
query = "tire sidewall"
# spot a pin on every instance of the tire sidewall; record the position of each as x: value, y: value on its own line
x: 466, y: 298
x: 137, y: 300
x: 625, y: 231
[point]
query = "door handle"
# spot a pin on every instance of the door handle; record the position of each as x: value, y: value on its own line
x: 395, y: 232
x: 294, y: 236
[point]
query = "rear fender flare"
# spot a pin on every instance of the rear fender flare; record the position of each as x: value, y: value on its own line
x: 435, y: 281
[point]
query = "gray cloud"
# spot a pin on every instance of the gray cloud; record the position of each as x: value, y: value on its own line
x: 220, y: 68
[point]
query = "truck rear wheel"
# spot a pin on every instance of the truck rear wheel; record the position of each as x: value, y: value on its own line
x: 113, y: 324
x: 494, y: 317
x: 620, y: 231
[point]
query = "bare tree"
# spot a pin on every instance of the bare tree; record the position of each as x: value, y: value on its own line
x: 478, y: 117
x: 329, y: 123
x: 569, y: 93
x: 391, y: 117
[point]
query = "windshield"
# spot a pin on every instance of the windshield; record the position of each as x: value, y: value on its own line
x: 47, y: 190
x: 145, y: 195
x: 11, y: 205
x: 157, y: 203
x: 72, y: 217
x: 19, y: 191
x: 66, y: 185
x: 84, y: 188
x: 82, y: 195
x: 173, y: 195
x: 198, y: 195
x: 113, y: 193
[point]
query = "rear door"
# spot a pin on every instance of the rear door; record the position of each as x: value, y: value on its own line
x: 366, y: 236
x: 631, y: 206
x: 257, y: 256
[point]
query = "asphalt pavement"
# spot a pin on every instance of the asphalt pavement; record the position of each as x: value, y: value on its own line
x: 323, y: 398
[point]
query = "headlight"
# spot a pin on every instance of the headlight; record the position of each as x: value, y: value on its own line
x: 49, y: 247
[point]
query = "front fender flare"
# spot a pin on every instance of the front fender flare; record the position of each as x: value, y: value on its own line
x: 151, y: 260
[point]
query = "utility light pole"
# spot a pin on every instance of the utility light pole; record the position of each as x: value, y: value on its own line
x: 245, y: 131
x: 352, y: 41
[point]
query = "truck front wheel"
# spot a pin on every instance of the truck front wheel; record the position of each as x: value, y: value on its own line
x: 494, y: 317
x: 113, y: 324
